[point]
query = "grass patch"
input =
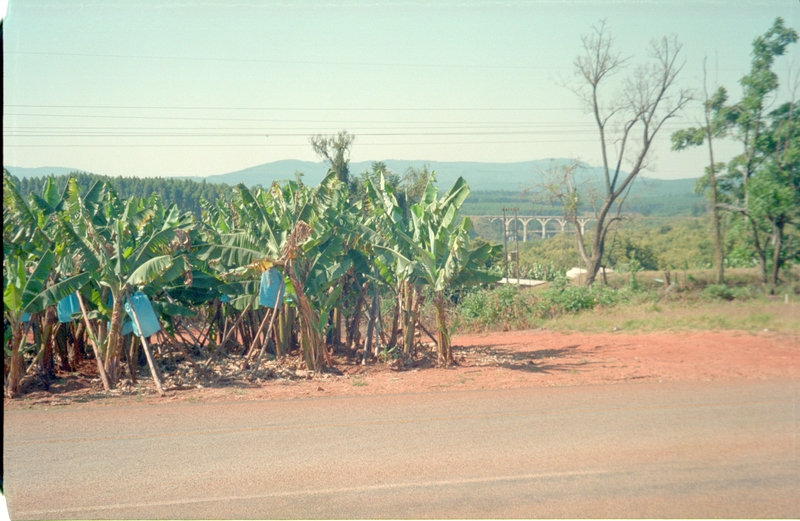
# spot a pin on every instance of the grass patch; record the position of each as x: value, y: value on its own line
x: 750, y: 316
x: 691, y: 302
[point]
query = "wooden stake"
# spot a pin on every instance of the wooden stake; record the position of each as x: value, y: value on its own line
x: 256, y: 337
x: 147, y: 353
x: 229, y: 333
x: 267, y: 334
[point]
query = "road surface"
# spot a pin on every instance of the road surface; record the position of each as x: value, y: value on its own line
x: 648, y: 450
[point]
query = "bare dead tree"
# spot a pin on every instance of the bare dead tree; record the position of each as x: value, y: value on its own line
x: 335, y: 150
x: 627, y: 125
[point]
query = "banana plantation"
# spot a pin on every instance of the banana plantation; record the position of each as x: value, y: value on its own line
x: 132, y: 285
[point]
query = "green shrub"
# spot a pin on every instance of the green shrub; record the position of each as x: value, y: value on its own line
x: 484, y: 308
x: 723, y: 292
x: 537, y: 271
x: 563, y: 297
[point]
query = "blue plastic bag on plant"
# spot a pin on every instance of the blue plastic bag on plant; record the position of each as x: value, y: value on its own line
x: 272, y: 288
x: 145, y: 314
x: 26, y: 317
x: 224, y: 299
x: 67, y: 307
x: 127, y: 328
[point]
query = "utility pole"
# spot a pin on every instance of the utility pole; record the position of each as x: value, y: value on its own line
x: 516, y: 243
x: 505, y: 243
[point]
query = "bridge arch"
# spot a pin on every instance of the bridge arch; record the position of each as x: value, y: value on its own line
x: 543, y: 225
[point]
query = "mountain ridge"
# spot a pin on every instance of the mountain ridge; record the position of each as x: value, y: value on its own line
x: 480, y: 176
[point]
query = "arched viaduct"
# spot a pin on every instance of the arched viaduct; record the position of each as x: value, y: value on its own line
x: 541, y: 219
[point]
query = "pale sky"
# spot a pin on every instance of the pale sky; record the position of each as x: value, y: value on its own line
x: 185, y: 87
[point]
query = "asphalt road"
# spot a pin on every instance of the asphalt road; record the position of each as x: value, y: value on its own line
x: 648, y: 450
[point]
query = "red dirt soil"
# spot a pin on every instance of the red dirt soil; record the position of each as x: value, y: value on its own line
x: 497, y: 361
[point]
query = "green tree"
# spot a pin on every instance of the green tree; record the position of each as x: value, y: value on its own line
x: 715, y: 126
x: 761, y: 182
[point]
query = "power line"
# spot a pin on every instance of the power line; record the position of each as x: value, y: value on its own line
x: 315, y: 109
x: 388, y: 125
x: 401, y: 124
x: 305, y: 134
x: 107, y: 116
x: 309, y: 62
x: 293, y: 62
x: 305, y: 145
x: 282, y: 134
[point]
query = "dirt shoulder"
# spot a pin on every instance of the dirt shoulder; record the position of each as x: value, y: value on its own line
x: 536, y: 358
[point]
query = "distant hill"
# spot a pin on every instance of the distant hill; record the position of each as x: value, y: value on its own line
x: 267, y: 173
x: 494, y: 185
x: 505, y: 181
x: 480, y: 176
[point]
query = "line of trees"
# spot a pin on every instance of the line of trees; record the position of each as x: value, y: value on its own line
x: 759, y: 189
x: 185, y: 193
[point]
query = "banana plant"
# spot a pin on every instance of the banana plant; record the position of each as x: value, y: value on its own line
x: 29, y: 263
x: 314, y: 261
x: 27, y: 292
x: 386, y: 222
x: 125, y: 246
x: 441, y: 253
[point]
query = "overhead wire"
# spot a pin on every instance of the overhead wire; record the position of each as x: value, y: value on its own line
x: 292, y: 62
x: 448, y: 65
x: 343, y: 109
x: 387, y: 128
x: 303, y: 144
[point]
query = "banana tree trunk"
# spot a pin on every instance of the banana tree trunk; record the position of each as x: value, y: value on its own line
x: 395, y: 320
x: 370, y: 328
x: 15, y: 370
x: 409, y: 326
x: 337, y: 326
x: 45, y: 340
x: 419, y: 300
x: 352, y: 332
x: 286, y: 319
x: 442, y: 336
x: 113, y: 364
x: 317, y: 352
x: 75, y: 349
x: 132, y: 350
